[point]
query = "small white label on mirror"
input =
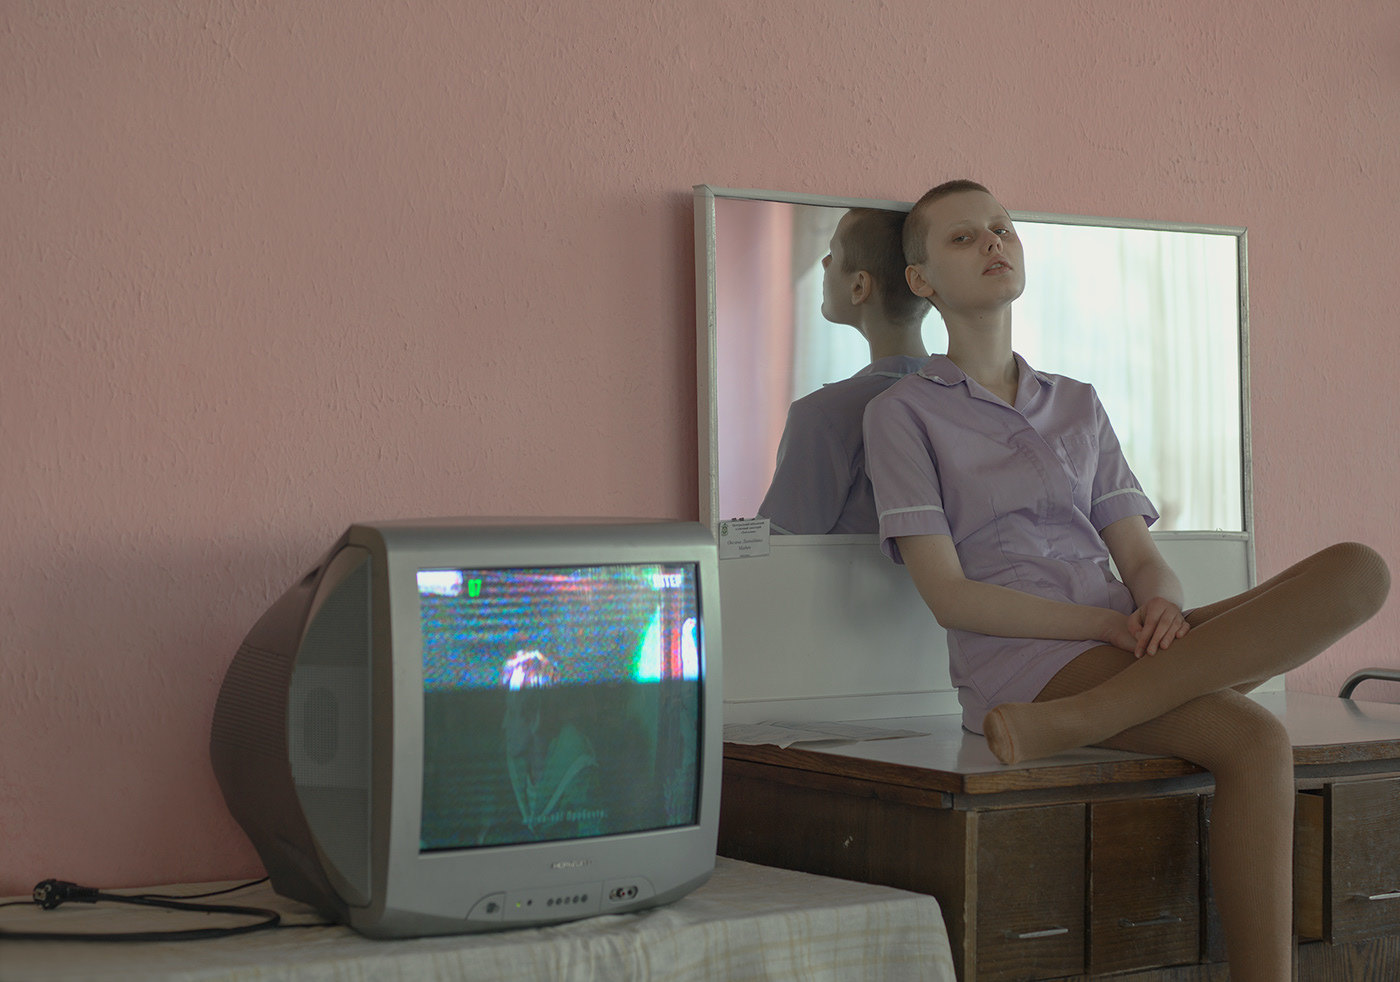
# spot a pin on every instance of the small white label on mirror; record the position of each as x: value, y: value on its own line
x: 743, y: 538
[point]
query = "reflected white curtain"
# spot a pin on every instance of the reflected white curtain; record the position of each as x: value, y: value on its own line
x: 1151, y: 319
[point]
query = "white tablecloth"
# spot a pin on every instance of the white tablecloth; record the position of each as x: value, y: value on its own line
x: 747, y: 923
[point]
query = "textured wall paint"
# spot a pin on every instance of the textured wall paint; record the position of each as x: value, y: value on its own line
x: 271, y: 267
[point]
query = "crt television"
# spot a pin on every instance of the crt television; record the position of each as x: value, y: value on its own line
x: 455, y: 725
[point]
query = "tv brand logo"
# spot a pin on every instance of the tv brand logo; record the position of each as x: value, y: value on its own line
x: 571, y: 864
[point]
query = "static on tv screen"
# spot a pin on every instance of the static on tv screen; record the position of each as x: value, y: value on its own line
x: 559, y: 703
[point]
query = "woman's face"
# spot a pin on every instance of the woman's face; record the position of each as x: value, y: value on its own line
x: 836, y: 281
x: 974, y: 259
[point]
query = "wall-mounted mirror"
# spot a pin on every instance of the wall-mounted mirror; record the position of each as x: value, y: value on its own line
x: 1154, y: 315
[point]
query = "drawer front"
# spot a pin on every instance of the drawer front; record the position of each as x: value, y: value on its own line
x: 1030, y: 893
x: 1362, y: 864
x: 1144, y: 884
x: 1309, y: 864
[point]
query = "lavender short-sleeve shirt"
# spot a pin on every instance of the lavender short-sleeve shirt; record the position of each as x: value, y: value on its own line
x: 819, y: 484
x: 1023, y: 492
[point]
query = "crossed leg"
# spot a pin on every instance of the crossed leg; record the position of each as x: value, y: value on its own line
x: 1188, y: 702
x: 1236, y: 643
x: 1251, y: 837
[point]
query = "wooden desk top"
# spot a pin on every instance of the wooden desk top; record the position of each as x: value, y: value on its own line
x: 1324, y: 730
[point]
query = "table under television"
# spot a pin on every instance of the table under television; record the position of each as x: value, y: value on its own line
x: 747, y: 922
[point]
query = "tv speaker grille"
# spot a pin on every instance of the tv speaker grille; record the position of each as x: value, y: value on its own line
x: 249, y: 713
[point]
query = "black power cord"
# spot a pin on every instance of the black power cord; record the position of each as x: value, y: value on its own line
x: 49, y: 894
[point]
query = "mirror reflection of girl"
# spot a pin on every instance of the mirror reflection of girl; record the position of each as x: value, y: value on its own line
x: 1004, y: 491
x: 819, y: 484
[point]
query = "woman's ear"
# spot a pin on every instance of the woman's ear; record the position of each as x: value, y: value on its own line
x: 917, y: 283
x: 861, y: 287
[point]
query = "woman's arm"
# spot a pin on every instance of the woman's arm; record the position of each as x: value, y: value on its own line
x: 1155, y: 587
x: 985, y: 608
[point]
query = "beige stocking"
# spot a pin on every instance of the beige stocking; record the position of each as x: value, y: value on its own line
x: 1238, y: 642
x: 1251, y: 836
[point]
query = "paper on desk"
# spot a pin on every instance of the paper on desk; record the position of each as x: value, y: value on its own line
x: 786, y: 734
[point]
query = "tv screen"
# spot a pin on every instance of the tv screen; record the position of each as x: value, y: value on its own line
x: 558, y: 703
x: 452, y: 725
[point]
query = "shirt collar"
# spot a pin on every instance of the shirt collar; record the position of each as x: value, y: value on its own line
x: 892, y: 365
x: 942, y: 370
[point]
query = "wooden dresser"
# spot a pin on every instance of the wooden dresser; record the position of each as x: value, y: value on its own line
x: 1088, y: 863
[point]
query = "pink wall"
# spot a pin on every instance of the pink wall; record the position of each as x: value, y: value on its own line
x: 271, y: 267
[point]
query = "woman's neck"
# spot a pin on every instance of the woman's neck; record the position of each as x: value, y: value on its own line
x: 895, y: 339
x: 982, y: 349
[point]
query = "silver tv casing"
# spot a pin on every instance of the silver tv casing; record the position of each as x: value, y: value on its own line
x: 317, y: 738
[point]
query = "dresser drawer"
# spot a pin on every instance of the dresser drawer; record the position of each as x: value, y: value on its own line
x: 1030, y: 893
x: 1144, y: 883
x: 1347, y: 861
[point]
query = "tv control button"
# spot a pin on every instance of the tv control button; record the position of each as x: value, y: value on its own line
x: 626, y: 891
x: 491, y: 907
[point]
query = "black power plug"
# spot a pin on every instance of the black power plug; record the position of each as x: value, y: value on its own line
x: 48, y: 894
